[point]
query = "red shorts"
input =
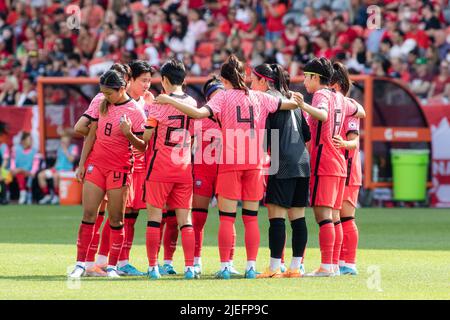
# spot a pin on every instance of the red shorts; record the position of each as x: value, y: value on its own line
x: 245, y: 185
x: 204, y: 186
x: 351, y: 195
x: 327, y: 191
x: 106, y: 179
x: 135, y: 198
x: 174, y: 195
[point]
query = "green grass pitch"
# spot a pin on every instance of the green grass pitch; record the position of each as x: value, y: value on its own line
x: 404, y: 254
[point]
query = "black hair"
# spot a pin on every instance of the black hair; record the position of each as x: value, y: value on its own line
x: 387, y: 41
x: 75, y: 56
x: 123, y: 69
x: 3, y: 128
x: 233, y: 70
x: 114, y: 80
x: 174, y: 71
x: 211, y: 86
x: 321, y: 66
x: 339, y: 18
x: 139, y: 67
x: 341, y: 77
x: 25, y: 135
x: 275, y: 76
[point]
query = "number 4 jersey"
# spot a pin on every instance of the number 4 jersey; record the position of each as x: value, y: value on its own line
x: 326, y: 159
x: 170, y: 157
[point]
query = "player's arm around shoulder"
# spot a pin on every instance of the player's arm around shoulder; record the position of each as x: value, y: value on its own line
x: 360, y: 112
x: 188, y: 109
x: 318, y: 113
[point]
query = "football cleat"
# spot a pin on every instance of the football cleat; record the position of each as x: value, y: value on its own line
x: 270, y: 274
x: 78, y: 272
x: 112, y: 273
x: 95, y: 271
x: 283, y: 268
x: 251, y: 274
x: 198, y: 268
x: 320, y: 273
x: 233, y: 271
x: 129, y: 270
x: 46, y: 199
x: 223, y: 274
x: 350, y: 271
x: 153, y: 273
x: 295, y: 273
x: 190, y: 274
x: 167, y: 269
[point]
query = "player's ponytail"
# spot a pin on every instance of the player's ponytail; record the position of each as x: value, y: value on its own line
x: 113, y: 80
x: 280, y: 83
x: 233, y: 71
x: 341, y: 77
x: 275, y: 77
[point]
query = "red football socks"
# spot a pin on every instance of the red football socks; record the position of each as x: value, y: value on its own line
x: 153, y: 240
x: 252, y: 235
x: 117, y: 238
x: 93, y: 247
x: 85, y: 234
x: 350, y: 239
x: 188, y: 243
x: 225, y: 236
x: 326, y: 241
x: 337, y: 242
x: 198, y: 220
x: 170, y: 237
x: 104, y: 240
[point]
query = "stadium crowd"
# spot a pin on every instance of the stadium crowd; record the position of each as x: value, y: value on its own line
x: 45, y: 37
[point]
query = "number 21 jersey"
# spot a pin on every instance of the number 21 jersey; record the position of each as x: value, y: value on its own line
x: 170, y: 157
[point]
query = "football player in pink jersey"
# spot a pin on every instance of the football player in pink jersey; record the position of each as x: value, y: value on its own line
x: 205, y: 174
x: 169, y: 176
x: 140, y: 81
x: 242, y: 114
x: 106, y: 169
x: 346, y: 256
x: 97, y: 268
x: 328, y: 168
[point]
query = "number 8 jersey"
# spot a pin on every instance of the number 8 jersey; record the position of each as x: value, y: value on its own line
x: 112, y: 150
x: 326, y: 159
x: 170, y: 156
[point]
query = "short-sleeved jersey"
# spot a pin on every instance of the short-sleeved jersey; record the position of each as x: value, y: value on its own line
x: 140, y: 157
x: 62, y: 161
x: 326, y: 159
x: 111, y: 149
x: 93, y: 110
x: 354, y: 171
x: 209, y: 144
x: 243, y: 120
x: 170, y: 156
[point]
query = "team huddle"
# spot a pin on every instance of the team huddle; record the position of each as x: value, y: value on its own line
x: 171, y: 157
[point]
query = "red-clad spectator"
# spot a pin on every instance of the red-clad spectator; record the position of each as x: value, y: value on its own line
x: 291, y: 34
x: 343, y: 31
x: 417, y: 34
x: 440, y: 88
x: 158, y: 26
x: 274, y: 12
x: 228, y: 25
x: 251, y: 30
x: 323, y: 49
